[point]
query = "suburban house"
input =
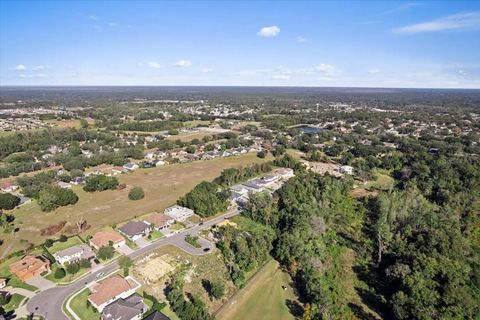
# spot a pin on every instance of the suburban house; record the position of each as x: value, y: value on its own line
x: 75, y: 253
x: 157, y: 315
x: 29, y: 267
x: 117, y: 170
x: 239, y: 193
x: 104, y: 238
x: 159, y: 220
x: 179, y: 213
x: 134, y: 230
x: 78, y: 180
x: 8, y: 186
x: 130, y: 308
x: 112, y: 289
x: 131, y: 166
x: 3, y: 283
x: 284, y: 173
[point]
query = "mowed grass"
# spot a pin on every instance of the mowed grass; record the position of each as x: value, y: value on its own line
x: 189, y: 136
x: 80, y: 307
x: 262, y: 297
x: 162, y: 185
x: 58, y: 246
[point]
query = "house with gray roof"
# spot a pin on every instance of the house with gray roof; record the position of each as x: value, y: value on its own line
x: 135, y: 230
x: 130, y: 308
x: 157, y: 315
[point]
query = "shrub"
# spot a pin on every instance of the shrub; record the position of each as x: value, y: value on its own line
x: 73, y: 268
x: 8, y: 201
x: 59, y: 273
x: 106, y: 252
x: 136, y: 194
x: 100, y: 183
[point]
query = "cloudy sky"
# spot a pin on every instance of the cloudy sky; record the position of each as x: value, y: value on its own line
x: 378, y: 44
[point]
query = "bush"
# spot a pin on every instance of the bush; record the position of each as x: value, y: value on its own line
x: 106, y: 252
x: 52, y: 197
x: 136, y: 194
x: 261, y: 154
x: 59, y: 273
x: 8, y: 201
x: 73, y: 268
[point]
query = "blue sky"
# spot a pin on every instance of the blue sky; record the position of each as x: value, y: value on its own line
x: 380, y: 44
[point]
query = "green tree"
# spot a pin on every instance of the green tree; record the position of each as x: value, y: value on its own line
x: 8, y: 201
x: 136, y: 193
x: 106, y: 252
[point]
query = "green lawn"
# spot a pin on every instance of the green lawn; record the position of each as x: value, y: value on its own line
x: 14, y: 302
x: 17, y: 283
x: 177, y: 226
x: 155, y: 235
x: 68, y: 278
x: 262, y: 297
x: 81, y: 308
x: 57, y: 246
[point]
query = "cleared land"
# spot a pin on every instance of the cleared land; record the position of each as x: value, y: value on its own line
x: 263, y: 297
x: 162, y: 186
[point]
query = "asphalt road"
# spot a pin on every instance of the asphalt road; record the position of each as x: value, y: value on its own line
x: 49, y: 303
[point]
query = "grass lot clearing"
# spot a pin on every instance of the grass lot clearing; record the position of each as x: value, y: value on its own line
x: 162, y: 185
x: 17, y: 283
x: 189, y: 136
x: 68, y: 277
x: 196, y: 123
x: 383, y: 181
x: 262, y: 297
x: 14, y: 303
x: 194, y: 219
x: 210, y: 267
x: 81, y: 308
x: 57, y: 246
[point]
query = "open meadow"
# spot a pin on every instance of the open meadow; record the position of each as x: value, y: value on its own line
x: 162, y: 185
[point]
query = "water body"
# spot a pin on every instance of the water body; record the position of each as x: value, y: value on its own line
x: 309, y: 129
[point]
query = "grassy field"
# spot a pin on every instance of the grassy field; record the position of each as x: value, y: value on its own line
x: 162, y: 185
x: 189, y: 136
x: 263, y: 297
x: 68, y: 277
x: 79, y: 306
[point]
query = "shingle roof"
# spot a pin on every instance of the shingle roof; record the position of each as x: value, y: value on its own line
x: 108, y: 289
x: 132, y: 228
x: 157, y: 315
x: 124, y: 309
x: 102, y: 238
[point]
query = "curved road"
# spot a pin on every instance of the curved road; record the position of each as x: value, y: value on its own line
x: 49, y: 303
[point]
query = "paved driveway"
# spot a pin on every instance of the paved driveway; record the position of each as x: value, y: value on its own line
x: 142, y: 242
x: 124, y: 250
x: 41, y: 283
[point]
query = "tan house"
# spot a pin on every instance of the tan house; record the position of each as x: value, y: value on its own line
x: 29, y: 267
x: 103, y: 238
x: 159, y: 220
x: 112, y: 289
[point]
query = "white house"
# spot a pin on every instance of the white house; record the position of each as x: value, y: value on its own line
x: 346, y: 169
x: 73, y: 254
x: 131, y: 166
x: 179, y: 213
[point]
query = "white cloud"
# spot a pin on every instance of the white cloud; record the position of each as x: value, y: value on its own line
x: 207, y: 70
x: 301, y: 39
x: 112, y: 24
x: 468, y: 20
x: 374, y: 71
x: 326, y: 69
x: 153, y: 64
x: 184, y: 63
x: 39, y: 67
x: 281, y: 77
x: 20, y: 67
x: 269, y: 31
x: 93, y: 17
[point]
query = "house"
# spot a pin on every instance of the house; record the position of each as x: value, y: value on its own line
x: 159, y: 163
x: 284, y: 173
x: 8, y: 186
x: 157, y: 315
x: 346, y: 169
x: 179, y: 213
x: 130, y: 308
x: 112, y: 289
x: 134, y: 230
x: 3, y: 283
x: 64, y: 185
x: 104, y: 238
x: 73, y: 254
x: 117, y: 170
x: 159, y: 220
x: 131, y: 166
x: 29, y: 267
x: 78, y: 180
